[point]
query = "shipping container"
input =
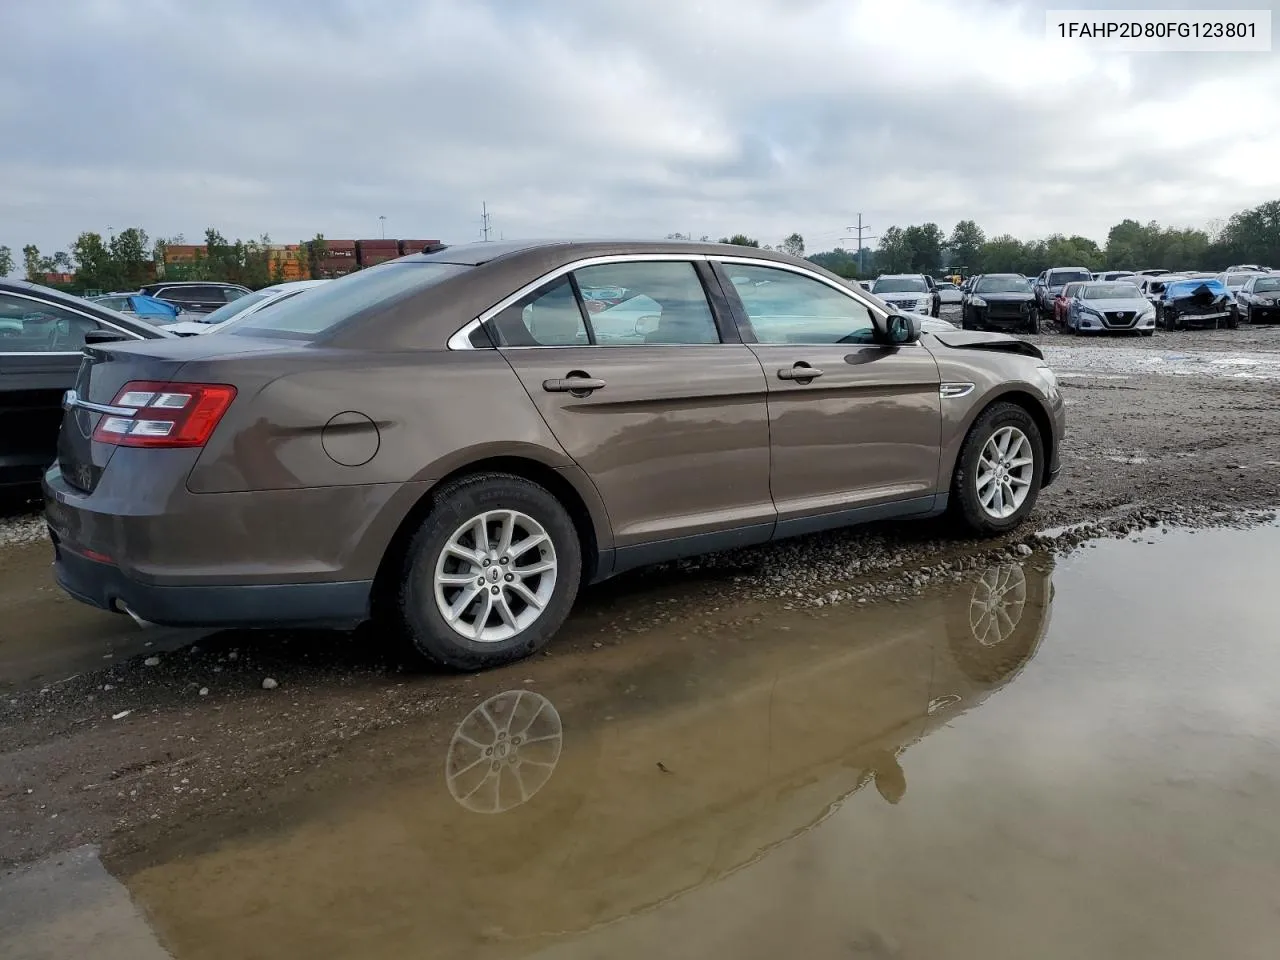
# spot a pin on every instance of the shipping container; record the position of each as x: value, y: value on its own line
x: 182, y: 252
x: 414, y: 246
x: 340, y: 249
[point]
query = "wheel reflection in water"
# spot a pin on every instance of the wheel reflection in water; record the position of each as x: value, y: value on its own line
x: 996, y: 605
x: 504, y: 751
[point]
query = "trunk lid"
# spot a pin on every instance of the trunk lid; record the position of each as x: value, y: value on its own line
x: 105, y: 368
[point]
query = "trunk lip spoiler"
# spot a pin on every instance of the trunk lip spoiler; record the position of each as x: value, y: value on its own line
x: 72, y: 399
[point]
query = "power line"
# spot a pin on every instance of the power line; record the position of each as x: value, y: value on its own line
x: 484, y: 221
x: 861, y: 230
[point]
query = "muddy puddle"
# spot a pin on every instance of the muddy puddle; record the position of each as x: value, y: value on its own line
x: 1080, y: 760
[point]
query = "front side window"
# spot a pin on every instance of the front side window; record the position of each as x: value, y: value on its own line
x: 653, y: 303
x: 33, y: 326
x: 548, y: 317
x: 785, y: 308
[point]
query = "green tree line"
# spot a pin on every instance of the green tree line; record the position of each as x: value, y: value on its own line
x: 1250, y: 236
x: 128, y: 259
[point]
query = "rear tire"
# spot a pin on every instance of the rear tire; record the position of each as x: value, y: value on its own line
x: 971, y: 486
x: 496, y: 625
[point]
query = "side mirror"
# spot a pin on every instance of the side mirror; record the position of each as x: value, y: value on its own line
x: 900, y: 329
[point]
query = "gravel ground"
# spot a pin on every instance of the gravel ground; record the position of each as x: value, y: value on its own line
x: 114, y: 755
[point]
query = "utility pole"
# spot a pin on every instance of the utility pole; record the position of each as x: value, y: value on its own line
x: 382, y: 222
x: 484, y: 221
x: 860, y: 229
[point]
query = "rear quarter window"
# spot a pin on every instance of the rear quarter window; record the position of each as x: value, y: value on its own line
x: 326, y: 306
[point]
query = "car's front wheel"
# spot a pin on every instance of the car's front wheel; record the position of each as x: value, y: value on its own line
x: 1000, y: 470
x: 491, y: 574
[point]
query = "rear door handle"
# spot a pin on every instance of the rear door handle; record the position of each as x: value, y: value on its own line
x: 577, y: 385
x: 799, y: 371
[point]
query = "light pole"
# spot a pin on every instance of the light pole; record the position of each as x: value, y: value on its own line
x: 382, y: 222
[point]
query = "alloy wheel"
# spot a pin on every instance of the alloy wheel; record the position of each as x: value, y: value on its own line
x: 1006, y: 468
x: 495, y: 576
x: 997, y: 603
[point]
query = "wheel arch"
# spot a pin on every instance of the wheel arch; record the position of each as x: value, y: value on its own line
x: 569, y: 485
x: 1014, y: 394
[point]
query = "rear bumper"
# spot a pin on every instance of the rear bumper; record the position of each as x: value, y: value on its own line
x: 104, y: 585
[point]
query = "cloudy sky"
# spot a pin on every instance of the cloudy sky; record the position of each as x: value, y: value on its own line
x: 609, y: 117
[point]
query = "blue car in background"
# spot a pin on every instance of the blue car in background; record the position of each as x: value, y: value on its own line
x: 1196, y: 302
x: 151, y: 309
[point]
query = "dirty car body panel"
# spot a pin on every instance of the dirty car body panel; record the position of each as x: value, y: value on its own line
x: 345, y: 413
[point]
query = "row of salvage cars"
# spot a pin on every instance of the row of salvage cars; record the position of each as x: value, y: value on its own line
x: 1119, y: 302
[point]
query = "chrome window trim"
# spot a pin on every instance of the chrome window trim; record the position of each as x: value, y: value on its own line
x: 59, y: 306
x: 461, y: 338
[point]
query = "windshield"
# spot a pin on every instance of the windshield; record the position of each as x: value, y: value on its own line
x: 1110, y: 291
x: 235, y: 307
x: 1058, y: 277
x: 337, y: 300
x: 906, y: 285
x: 1003, y: 285
x: 1186, y: 288
x: 1267, y: 286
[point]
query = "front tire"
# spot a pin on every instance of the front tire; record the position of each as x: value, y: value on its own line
x: 999, y: 471
x: 1033, y: 322
x: 518, y: 539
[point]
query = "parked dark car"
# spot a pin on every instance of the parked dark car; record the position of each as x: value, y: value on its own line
x: 449, y: 442
x: 196, y: 296
x: 1050, y: 283
x: 1195, y: 303
x: 1002, y: 301
x: 1259, y: 299
x: 42, y: 332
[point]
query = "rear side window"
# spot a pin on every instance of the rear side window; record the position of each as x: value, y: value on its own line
x: 548, y: 317
x: 326, y: 306
x: 654, y: 302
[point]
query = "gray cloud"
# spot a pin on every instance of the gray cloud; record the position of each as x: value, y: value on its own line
x: 576, y: 117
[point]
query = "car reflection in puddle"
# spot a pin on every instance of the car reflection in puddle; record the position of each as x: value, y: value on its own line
x: 616, y: 789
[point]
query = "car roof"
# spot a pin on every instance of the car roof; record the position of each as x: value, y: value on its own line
x: 158, y: 284
x: 901, y: 276
x: 289, y: 285
x: 481, y: 252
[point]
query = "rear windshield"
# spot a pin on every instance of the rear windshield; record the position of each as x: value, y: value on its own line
x: 899, y: 286
x: 1002, y: 285
x: 1110, y: 291
x: 236, y: 306
x: 1059, y: 277
x: 326, y: 306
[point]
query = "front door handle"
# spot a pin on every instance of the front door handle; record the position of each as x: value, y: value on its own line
x: 799, y: 371
x: 578, y: 384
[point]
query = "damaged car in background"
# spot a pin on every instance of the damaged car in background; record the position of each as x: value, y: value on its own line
x: 1001, y: 301
x: 1184, y: 304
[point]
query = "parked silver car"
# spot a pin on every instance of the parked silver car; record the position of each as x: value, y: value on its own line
x: 1117, y: 306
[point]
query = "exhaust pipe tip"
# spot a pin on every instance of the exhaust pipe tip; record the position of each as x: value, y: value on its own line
x: 124, y: 608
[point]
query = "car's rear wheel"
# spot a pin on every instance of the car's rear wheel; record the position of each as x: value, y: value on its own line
x: 491, y: 574
x: 999, y: 472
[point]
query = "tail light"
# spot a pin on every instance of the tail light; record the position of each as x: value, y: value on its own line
x: 165, y: 414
